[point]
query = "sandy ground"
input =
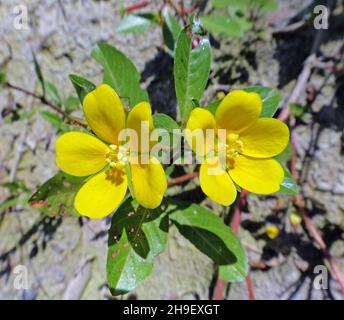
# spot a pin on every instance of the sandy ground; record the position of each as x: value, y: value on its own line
x: 62, y: 33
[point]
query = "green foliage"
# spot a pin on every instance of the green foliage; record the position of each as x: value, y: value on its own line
x: 136, y: 23
x: 265, y: 5
x: 56, y: 121
x: 3, y: 78
x: 232, y: 18
x: 285, y: 155
x: 9, y: 203
x: 52, y: 93
x: 136, y: 236
x: 262, y: 5
x: 270, y: 97
x: 82, y: 86
x: 120, y: 73
x: 299, y: 111
x: 39, y: 73
x: 223, y: 25
x: 170, y: 30
x: 210, y: 235
x: 213, y: 106
x: 18, y: 195
x: 71, y: 104
x: 191, y: 70
x: 164, y: 121
x: 56, y: 196
x: 289, y: 185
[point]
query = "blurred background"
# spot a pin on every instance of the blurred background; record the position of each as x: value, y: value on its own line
x: 65, y: 257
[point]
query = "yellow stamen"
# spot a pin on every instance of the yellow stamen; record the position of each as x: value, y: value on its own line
x: 234, y: 148
x: 116, y: 156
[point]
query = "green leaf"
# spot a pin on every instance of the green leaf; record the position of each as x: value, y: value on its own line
x: 299, y: 111
x: 285, y: 155
x: 53, y: 93
x: 120, y: 73
x: 15, y: 186
x: 8, y: 204
x: 56, y: 196
x: 26, y: 115
x: 168, y: 39
x: 55, y: 120
x: 172, y: 23
x: 39, y: 73
x: 211, y: 236
x: 3, y: 78
x: 213, y: 106
x: 265, y: 5
x: 270, y: 97
x: 136, y: 236
x: 220, y: 4
x: 71, y: 104
x: 170, y: 30
x: 164, y: 121
x: 191, y: 71
x: 82, y: 86
x: 136, y: 23
x: 289, y: 185
x: 223, y: 25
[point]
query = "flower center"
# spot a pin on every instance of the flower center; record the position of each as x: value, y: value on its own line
x: 234, y: 147
x: 116, y: 156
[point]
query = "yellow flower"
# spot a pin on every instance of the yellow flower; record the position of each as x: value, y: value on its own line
x: 82, y: 154
x: 272, y: 231
x: 249, y: 144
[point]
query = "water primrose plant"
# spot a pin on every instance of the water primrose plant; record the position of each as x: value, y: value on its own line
x: 115, y: 162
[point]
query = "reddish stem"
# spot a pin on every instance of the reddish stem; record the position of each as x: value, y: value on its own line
x: 182, y: 179
x: 250, y: 287
x: 136, y: 6
x: 235, y: 225
x: 219, y: 288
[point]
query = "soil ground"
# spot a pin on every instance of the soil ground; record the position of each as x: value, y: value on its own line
x: 62, y: 33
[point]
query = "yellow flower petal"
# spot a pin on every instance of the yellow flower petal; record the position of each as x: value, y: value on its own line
x: 238, y: 110
x: 102, y: 194
x: 104, y: 113
x: 261, y: 176
x: 80, y: 154
x: 216, y: 183
x: 265, y: 139
x: 199, y: 121
x: 138, y: 117
x: 149, y: 183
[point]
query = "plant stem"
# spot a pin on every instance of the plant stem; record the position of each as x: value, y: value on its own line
x: 130, y: 8
x: 182, y: 179
x: 41, y: 98
x: 48, y: 103
x: 235, y: 224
